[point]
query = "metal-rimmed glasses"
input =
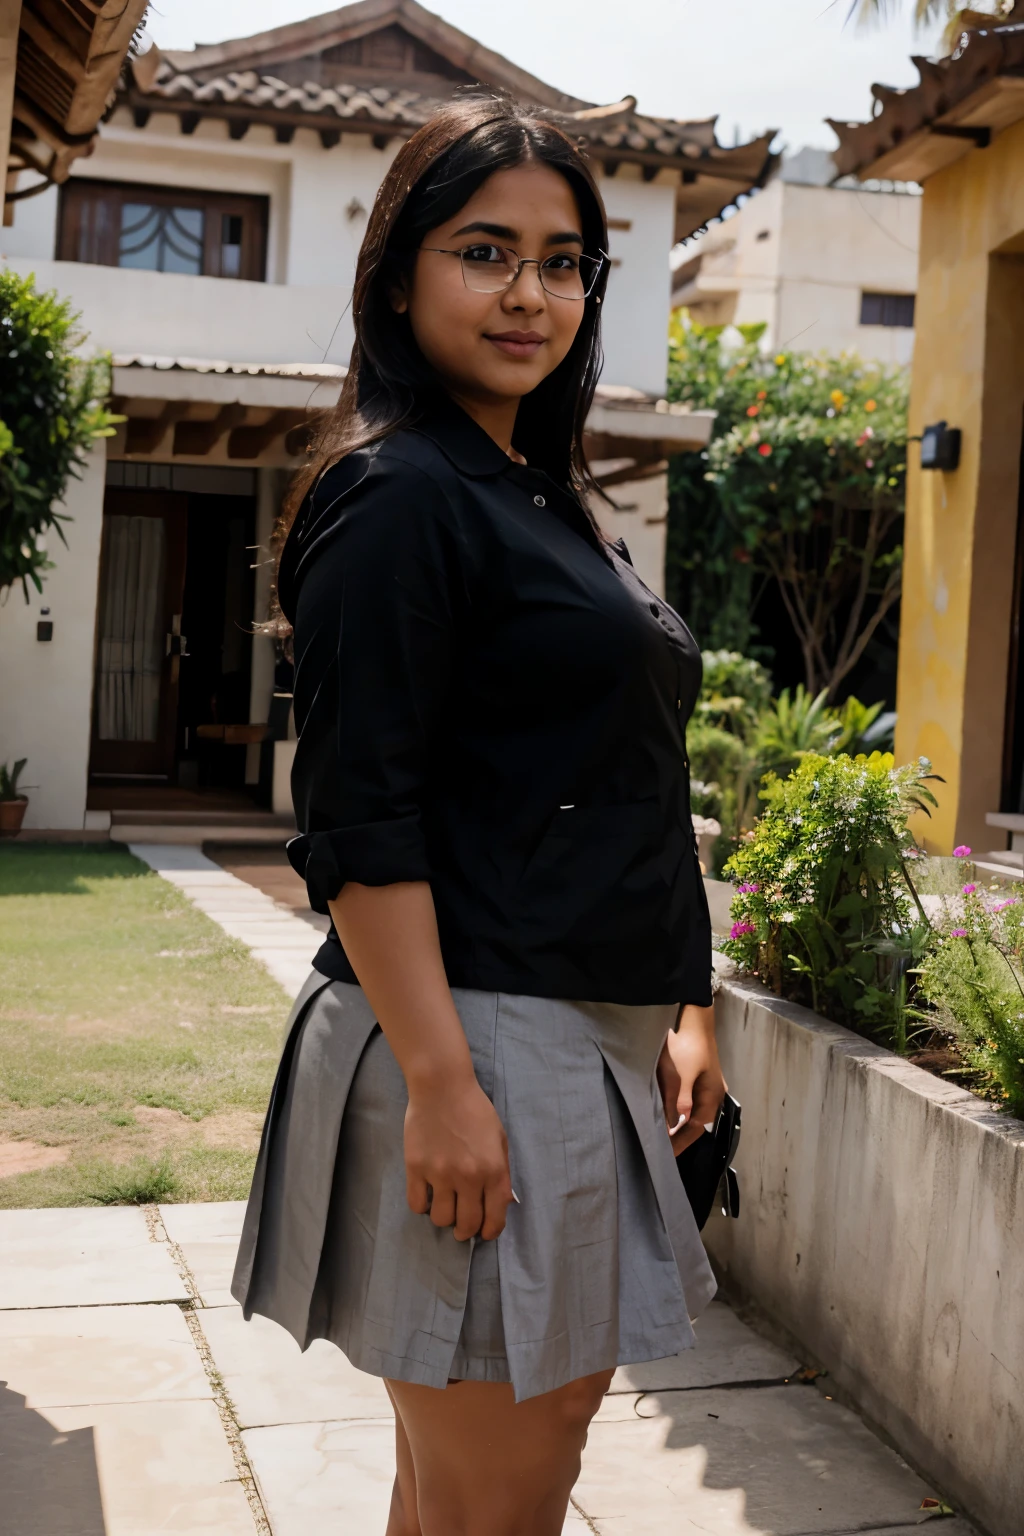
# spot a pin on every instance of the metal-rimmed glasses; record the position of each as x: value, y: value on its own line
x: 488, y: 268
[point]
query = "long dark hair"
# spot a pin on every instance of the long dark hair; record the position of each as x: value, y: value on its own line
x: 389, y: 381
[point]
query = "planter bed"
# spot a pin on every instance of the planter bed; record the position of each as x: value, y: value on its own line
x: 883, y: 1227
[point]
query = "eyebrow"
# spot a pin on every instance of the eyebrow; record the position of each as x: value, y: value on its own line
x: 503, y: 232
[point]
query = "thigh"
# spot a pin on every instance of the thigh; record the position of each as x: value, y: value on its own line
x: 485, y: 1465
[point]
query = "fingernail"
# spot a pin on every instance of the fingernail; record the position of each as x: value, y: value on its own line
x: 678, y: 1125
x: 516, y: 1198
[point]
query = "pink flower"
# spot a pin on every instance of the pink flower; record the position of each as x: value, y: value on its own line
x: 1001, y: 906
x: 869, y: 463
x: 963, y: 852
x: 739, y: 929
x: 749, y: 888
x: 969, y: 889
x: 958, y: 933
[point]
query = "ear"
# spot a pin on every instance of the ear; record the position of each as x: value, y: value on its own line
x: 398, y: 298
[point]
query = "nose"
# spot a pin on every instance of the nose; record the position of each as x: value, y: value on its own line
x: 525, y: 292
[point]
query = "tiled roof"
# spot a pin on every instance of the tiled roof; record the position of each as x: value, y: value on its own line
x: 958, y: 103
x: 713, y: 176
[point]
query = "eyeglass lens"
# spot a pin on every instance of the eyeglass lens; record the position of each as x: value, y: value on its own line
x: 491, y: 268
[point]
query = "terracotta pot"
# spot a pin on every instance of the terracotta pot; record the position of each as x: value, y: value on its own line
x: 12, y: 814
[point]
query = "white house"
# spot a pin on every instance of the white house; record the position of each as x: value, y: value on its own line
x: 209, y: 243
x: 827, y: 267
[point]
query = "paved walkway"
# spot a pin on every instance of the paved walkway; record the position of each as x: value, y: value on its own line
x: 138, y: 1402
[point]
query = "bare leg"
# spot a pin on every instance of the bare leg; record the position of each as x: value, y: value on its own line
x: 403, y: 1519
x: 484, y: 1465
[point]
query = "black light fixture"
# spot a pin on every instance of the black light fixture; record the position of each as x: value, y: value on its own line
x: 940, y: 447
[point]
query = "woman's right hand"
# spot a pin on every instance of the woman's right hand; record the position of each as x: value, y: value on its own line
x: 456, y: 1159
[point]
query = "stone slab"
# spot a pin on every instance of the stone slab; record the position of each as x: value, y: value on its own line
x: 270, y: 1381
x: 161, y: 1468
x: 735, y: 1462
x: 331, y: 1479
x: 207, y: 1236
x: 203, y: 1223
x: 74, y: 1258
x: 727, y: 1351
x: 56, y: 1356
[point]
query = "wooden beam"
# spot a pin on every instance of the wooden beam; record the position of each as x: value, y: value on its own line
x: 10, y: 19
x: 238, y: 127
x: 250, y: 442
x: 284, y: 133
x: 189, y: 122
x: 198, y: 438
x: 631, y: 473
x: 144, y: 434
x: 330, y: 137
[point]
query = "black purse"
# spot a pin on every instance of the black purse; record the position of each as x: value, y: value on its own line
x: 706, y: 1167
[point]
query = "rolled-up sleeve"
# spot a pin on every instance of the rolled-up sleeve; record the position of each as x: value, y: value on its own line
x: 375, y: 625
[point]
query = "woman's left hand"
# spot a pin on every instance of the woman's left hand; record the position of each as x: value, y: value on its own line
x: 690, y: 1077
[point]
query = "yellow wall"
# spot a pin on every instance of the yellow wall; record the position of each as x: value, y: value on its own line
x: 961, y: 527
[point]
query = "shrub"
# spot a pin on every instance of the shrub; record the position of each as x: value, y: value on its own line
x: 802, y: 487
x: 825, y: 911
x: 972, y: 975
x: 52, y: 405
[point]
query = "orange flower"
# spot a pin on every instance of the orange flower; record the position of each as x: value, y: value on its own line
x: 753, y: 410
x: 762, y: 394
x: 765, y: 450
x: 871, y: 405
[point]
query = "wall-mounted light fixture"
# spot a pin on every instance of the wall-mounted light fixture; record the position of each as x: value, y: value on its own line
x: 940, y: 447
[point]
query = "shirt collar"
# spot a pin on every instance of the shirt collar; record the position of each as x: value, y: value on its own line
x: 459, y: 438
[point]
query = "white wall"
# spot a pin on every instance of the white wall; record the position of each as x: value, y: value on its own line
x: 642, y: 520
x: 46, y: 687
x: 798, y: 258
x: 634, y: 323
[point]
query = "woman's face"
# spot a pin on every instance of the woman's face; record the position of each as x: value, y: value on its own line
x: 495, y: 347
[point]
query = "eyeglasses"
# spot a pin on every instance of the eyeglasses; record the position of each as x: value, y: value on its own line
x: 493, y: 268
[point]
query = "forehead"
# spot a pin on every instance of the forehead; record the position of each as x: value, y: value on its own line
x: 531, y: 197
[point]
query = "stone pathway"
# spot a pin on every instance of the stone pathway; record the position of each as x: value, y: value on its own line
x: 138, y: 1401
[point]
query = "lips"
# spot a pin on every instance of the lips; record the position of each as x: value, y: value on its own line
x: 517, y: 343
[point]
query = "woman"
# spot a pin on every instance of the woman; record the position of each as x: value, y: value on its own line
x: 466, y: 1180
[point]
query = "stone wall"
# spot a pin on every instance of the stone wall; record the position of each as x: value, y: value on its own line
x: 883, y: 1226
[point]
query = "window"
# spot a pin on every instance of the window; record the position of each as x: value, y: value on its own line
x: 163, y: 229
x: 887, y: 309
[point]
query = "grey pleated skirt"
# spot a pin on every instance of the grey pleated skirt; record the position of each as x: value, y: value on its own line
x: 601, y: 1263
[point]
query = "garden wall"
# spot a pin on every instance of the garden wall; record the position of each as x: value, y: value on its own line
x: 883, y: 1226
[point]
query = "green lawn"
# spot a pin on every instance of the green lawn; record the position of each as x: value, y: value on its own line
x: 137, y: 1042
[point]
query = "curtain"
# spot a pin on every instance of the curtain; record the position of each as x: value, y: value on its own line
x: 131, y: 651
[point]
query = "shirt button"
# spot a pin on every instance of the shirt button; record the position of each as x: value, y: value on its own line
x: 539, y: 501
x: 654, y: 609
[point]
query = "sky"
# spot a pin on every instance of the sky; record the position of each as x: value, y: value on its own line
x: 757, y: 64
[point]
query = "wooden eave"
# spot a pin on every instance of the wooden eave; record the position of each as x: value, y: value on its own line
x: 66, y: 72
x: 959, y: 104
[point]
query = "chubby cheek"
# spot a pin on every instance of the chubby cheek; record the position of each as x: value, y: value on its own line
x: 448, y: 326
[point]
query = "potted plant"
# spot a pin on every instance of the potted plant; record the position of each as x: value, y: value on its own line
x: 13, y: 803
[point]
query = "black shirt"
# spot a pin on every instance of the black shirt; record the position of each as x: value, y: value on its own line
x: 488, y: 698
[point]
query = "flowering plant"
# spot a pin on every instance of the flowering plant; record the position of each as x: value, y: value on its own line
x: 972, y: 975
x: 826, y: 911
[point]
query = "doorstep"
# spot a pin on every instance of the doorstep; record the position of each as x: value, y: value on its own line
x: 196, y: 827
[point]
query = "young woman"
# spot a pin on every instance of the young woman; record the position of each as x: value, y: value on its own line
x: 466, y: 1179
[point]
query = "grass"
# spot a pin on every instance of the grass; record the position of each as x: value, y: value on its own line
x: 138, y: 1042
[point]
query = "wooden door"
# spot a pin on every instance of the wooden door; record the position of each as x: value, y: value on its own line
x: 139, y: 640
x: 1013, y: 735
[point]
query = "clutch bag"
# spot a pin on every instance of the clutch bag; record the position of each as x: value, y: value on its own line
x: 706, y: 1166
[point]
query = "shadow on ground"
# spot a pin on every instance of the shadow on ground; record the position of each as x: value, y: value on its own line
x: 49, y: 1483
x: 61, y: 869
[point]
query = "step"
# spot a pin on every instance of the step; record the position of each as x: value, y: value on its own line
x: 197, y: 818
x: 275, y: 830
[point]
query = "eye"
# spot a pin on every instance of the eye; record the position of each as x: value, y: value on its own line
x: 484, y: 254
x: 565, y: 261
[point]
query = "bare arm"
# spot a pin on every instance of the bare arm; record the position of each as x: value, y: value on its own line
x: 456, y: 1154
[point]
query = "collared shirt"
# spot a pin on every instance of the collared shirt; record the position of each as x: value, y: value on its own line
x: 489, y: 699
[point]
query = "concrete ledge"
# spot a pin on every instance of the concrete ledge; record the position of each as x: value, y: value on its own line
x: 883, y: 1225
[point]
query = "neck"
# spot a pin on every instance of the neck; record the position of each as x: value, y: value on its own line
x: 496, y: 417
